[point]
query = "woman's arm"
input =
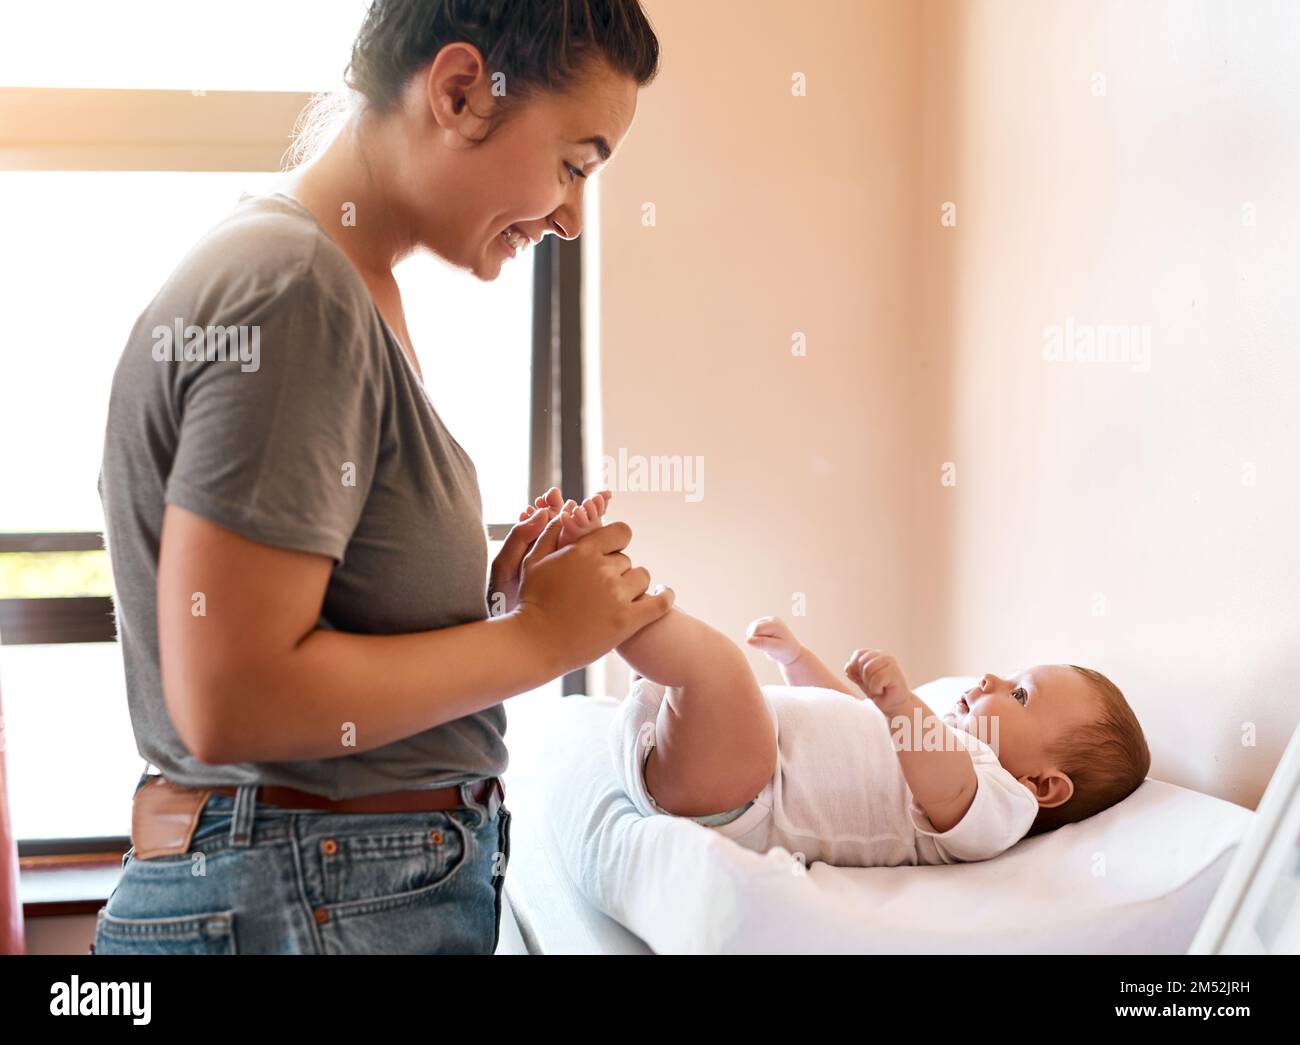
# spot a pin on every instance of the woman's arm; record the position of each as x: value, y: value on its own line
x: 252, y: 679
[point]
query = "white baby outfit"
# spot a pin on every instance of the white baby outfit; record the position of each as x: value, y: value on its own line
x: 838, y: 794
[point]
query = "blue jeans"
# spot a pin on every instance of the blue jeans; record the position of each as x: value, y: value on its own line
x: 262, y: 879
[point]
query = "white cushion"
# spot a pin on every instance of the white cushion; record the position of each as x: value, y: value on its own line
x: 1134, y: 879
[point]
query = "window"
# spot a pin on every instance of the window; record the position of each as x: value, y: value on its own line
x: 236, y: 45
x: 114, y: 160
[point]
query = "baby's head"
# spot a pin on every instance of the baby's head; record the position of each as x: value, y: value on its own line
x: 1065, y: 732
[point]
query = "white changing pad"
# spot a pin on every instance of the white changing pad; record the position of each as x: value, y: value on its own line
x: 1135, y: 879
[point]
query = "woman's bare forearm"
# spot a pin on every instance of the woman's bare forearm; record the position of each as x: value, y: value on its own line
x: 249, y: 675
x: 338, y: 693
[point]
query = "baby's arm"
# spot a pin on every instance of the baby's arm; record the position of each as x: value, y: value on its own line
x: 941, y: 776
x: 799, y: 665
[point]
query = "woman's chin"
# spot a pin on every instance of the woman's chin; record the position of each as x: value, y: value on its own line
x: 486, y: 268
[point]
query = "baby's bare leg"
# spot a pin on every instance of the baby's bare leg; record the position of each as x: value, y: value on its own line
x: 715, y: 746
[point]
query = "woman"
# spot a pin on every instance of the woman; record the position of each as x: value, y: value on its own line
x: 297, y: 541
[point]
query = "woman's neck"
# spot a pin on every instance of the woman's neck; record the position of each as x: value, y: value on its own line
x: 345, y: 189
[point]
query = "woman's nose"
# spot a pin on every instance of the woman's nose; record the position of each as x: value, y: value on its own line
x: 566, y: 219
x: 566, y: 224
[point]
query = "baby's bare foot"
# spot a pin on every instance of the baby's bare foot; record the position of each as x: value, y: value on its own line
x: 582, y: 519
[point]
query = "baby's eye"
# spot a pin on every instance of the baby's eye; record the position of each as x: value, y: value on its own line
x: 1019, y: 694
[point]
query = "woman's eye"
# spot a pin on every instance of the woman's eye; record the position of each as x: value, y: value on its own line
x: 1020, y: 694
x: 573, y: 172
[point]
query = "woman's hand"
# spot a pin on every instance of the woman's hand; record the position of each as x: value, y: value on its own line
x: 503, y: 586
x: 503, y: 581
x: 582, y: 600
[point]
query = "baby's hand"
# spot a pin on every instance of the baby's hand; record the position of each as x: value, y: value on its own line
x: 773, y: 636
x: 879, y: 677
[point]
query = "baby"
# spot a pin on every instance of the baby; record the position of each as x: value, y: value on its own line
x: 831, y: 776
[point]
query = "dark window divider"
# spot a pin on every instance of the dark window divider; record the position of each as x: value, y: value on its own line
x: 556, y: 450
x: 45, y: 622
x: 51, y: 542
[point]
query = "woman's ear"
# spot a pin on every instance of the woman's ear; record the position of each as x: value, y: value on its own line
x: 457, y: 93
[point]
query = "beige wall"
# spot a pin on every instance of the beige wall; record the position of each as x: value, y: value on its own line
x: 1137, y: 519
x: 774, y: 215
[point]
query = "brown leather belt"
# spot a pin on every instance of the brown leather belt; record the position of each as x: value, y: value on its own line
x: 387, y: 802
x: 165, y: 815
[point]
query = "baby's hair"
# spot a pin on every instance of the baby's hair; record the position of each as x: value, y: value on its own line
x: 1107, y: 758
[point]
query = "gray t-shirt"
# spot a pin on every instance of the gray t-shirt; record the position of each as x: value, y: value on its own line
x: 301, y: 424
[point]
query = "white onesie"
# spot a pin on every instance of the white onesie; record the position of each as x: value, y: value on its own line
x: 838, y: 794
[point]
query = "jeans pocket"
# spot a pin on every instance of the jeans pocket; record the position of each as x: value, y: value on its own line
x: 210, y: 933
x: 368, y: 871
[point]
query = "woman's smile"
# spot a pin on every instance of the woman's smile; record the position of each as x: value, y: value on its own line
x: 514, y: 239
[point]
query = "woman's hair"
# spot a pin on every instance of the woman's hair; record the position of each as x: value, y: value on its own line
x: 1107, y: 759
x: 528, y: 46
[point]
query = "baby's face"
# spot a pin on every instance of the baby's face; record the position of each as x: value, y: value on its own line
x: 1020, y: 716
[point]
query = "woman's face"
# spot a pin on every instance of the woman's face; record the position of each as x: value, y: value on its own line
x: 527, y: 177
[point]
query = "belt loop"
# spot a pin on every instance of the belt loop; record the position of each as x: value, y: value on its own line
x: 467, y: 799
x: 241, y: 822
